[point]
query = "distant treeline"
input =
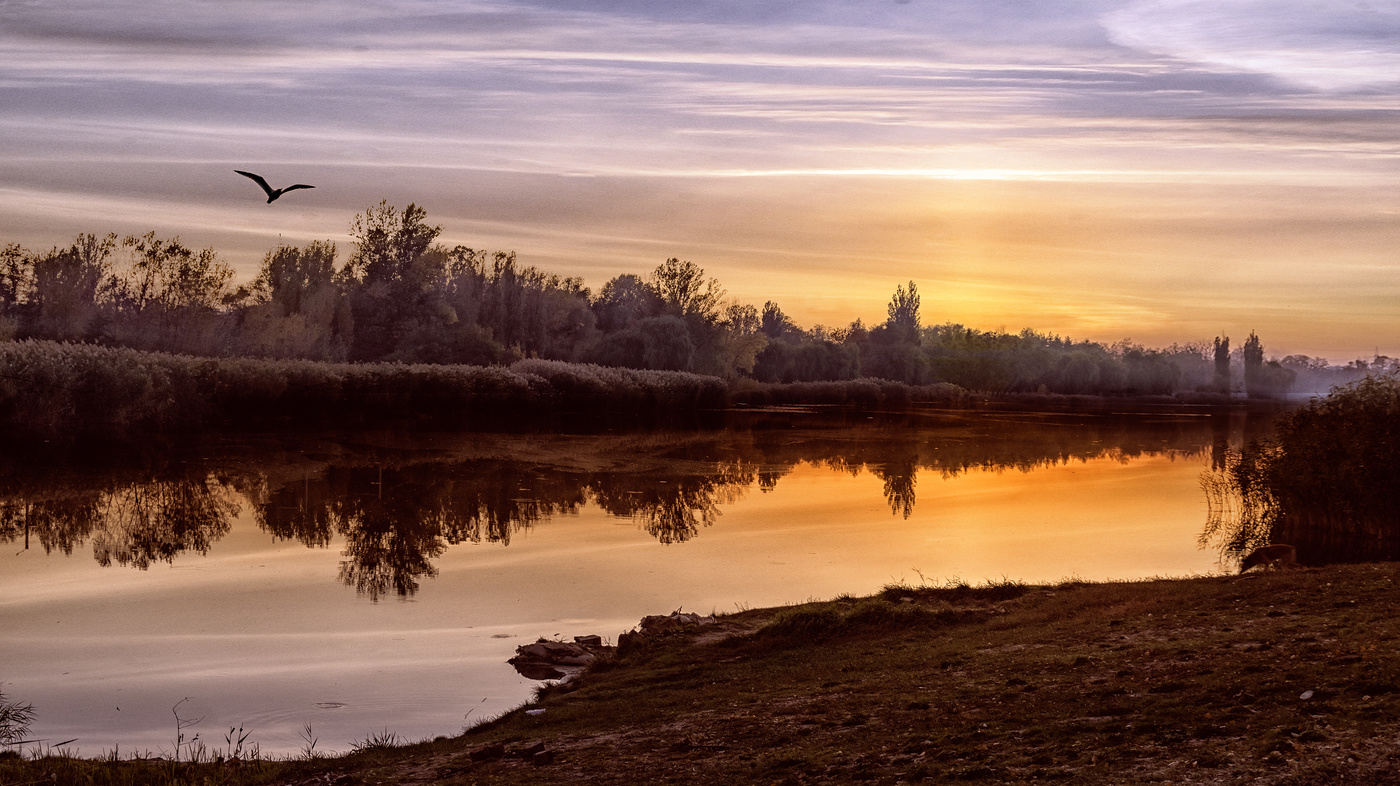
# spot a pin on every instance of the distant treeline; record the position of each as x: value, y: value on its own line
x: 402, y: 297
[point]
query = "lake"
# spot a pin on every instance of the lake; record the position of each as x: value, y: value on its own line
x: 365, y: 583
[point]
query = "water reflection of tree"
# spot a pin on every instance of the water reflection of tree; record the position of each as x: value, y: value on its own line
x: 156, y: 521
x: 898, y: 473
x: 135, y: 524
x: 397, y: 518
x: 398, y: 510
x: 59, y: 525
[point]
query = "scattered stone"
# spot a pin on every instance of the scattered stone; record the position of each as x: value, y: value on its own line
x: 659, y: 624
x: 488, y: 753
x: 556, y: 660
x: 677, y: 619
x: 527, y: 751
x: 557, y: 652
x: 542, y: 758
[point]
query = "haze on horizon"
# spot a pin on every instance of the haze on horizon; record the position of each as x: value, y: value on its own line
x: 1165, y: 170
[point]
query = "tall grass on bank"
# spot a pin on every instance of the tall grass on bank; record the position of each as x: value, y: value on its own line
x: 15, y: 719
x: 858, y: 393
x: 56, y: 389
x: 52, y: 389
x: 1329, y: 483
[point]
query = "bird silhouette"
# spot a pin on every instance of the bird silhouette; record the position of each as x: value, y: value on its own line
x: 272, y: 193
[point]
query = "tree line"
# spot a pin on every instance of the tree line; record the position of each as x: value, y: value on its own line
x: 401, y: 296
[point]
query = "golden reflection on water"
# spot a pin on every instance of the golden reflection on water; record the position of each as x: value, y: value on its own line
x: 384, y: 588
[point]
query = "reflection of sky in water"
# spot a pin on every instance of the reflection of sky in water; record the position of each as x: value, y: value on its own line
x: 265, y: 632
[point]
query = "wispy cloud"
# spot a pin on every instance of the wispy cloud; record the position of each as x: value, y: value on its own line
x: 799, y: 134
x: 1326, y: 46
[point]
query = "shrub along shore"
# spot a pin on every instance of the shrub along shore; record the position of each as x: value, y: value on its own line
x: 50, y: 389
x: 1282, y: 677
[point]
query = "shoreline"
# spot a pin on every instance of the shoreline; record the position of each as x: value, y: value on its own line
x: 1265, y: 677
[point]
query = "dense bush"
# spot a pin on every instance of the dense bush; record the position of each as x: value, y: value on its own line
x: 1327, y: 483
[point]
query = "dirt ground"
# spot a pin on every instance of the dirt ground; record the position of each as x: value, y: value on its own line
x: 1283, y: 677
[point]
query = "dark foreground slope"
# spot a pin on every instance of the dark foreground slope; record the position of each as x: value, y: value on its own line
x: 1280, y: 678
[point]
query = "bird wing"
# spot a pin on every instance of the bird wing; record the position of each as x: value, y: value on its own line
x: 295, y: 187
x: 256, y: 179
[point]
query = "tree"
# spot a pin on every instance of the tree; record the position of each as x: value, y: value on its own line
x: 1253, y: 353
x: 739, y: 341
x: 657, y: 343
x: 170, y: 297
x: 774, y: 323
x: 903, y: 312
x: 15, y: 263
x: 388, y: 242
x: 624, y: 300
x: 400, y: 285
x: 1264, y: 380
x: 289, y: 275
x: 168, y: 274
x: 684, y: 290
x: 67, y: 286
x: 297, y: 307
x: 1222, y: 364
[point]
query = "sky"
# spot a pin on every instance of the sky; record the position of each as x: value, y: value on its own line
x: 1155, y: 170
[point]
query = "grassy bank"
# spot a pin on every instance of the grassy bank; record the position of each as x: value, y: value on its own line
x: 1276, y: 678
x: 53, y: 389
x: 50, y: 389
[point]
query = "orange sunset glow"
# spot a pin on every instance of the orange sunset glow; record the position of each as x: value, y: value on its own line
x: 1160, y: 170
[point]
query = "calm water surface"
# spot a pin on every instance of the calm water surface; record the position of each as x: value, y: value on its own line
x: 379, y: 582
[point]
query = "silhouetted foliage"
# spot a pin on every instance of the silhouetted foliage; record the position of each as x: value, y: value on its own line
x: 1222, y: 364
x: 1261, y: 379
x: 402, y: 297
x: 1326, y: 484
x: 295, y: 308
x: 903, y: 311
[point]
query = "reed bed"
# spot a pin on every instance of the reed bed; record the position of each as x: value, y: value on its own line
x: 58, y: 389
x: 1326, y: 484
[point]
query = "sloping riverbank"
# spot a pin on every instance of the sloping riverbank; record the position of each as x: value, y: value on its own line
x: 1282, y: 677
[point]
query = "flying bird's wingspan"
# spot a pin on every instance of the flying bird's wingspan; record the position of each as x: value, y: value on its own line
x: 272, y: 193
x: 256, y: 179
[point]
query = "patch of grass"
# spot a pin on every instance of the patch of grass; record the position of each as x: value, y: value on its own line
x: 824, y: 621
x: 377, y: 741
x: 956, y: 591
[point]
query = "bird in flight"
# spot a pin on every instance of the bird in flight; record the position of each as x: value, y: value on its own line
x: 272, y: 193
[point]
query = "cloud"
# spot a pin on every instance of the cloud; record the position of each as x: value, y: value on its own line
x: 1325, y: 46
